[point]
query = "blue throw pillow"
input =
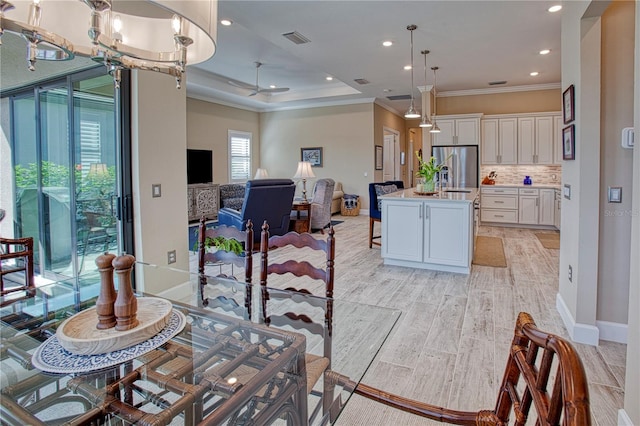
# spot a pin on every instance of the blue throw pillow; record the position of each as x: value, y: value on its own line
x: 384, y: 190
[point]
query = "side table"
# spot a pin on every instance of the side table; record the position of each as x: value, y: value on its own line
x: 300, y: 222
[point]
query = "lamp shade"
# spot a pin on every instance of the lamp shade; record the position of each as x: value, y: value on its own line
x: 304, y: 171
x: 261, y: 174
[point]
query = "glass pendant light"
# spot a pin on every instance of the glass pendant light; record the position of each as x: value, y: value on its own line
x: 435, y: 128
x: 425, y: 122
x: 411, y: 112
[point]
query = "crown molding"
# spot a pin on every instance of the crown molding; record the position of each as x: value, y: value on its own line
x: 493, y: 90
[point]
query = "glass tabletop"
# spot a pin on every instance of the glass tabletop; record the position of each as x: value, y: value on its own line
x: 358, y: 333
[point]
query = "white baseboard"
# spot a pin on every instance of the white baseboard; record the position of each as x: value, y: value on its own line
x: 177, y: 292
x: 580, y: 333
x: 623, y: 418
x: 612, y: 331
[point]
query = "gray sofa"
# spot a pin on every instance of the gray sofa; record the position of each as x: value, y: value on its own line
x: 232, y: 195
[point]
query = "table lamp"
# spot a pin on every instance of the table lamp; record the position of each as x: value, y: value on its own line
x: 304, y: 172
x: 261, y: 174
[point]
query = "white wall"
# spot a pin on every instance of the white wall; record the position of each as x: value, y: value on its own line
x: 345, y: 134
x: 159, y: 143
x: 580, y: 216
x: 632, y: 378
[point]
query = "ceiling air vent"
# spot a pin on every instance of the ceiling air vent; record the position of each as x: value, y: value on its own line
x: 296, y: 37
x: 399, y: 97
x: 361, y: 81
x: 497, y: 83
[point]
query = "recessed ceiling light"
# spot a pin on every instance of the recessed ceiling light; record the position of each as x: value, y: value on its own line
x: 545, y: 51
x: 226, y: 22
x: 386, y: 90
x: 407, y: 67
x: 329, y: 78
x: 387, y: 43
x: 533, y: 74
x: 272, y: 86
x: 555, y: 8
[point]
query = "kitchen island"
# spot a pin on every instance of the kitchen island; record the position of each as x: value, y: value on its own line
x: 429, y: 232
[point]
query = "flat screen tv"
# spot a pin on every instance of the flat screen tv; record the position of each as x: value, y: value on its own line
x: 199, y: 166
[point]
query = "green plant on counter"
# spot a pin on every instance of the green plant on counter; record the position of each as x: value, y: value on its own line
x: 428, y: 169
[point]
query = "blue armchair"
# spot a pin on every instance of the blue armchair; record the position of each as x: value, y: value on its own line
x: 375, y: 215
x: 264, y: 199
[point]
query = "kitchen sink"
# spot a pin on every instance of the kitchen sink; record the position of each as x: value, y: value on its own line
x: 458, y: 190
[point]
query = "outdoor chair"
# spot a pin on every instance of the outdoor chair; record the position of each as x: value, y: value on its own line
x: 16, y: 269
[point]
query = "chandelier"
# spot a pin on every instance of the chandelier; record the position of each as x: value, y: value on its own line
x: 155, y: 35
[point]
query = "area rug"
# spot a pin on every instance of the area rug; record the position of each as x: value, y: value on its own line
x: 489, y: 251
x: 549, y: 240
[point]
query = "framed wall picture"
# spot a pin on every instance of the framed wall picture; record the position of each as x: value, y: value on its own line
x: 568, y: 105
x: 568, y: 143
x: 312, y: 155
x: 378, y: 157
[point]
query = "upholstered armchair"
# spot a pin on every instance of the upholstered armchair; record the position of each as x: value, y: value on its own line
x: 375, y: 214
x: 264, y: 199
x: 321, y: 204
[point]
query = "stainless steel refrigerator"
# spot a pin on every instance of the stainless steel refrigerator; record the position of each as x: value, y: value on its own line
x: 461, y: 163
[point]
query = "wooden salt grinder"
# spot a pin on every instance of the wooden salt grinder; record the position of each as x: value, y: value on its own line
x: 107, y: 296
x: 126, y: 306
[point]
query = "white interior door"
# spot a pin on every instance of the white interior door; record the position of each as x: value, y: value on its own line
x: 388, y: 158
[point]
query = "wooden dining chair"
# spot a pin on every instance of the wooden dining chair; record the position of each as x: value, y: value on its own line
x: 304, y: 312
x: 226, y: 257
x: 16, y: 264
x: 535, y: 357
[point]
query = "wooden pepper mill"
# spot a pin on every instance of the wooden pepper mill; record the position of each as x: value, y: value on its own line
x: 126, y: 306
x: 107, y: 296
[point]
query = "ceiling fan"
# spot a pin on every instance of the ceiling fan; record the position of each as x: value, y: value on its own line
x: 255, y: 89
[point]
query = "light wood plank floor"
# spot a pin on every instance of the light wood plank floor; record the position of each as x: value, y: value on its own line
x: 450, y: 345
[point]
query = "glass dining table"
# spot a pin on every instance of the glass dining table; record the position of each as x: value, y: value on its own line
x: 215, y: 366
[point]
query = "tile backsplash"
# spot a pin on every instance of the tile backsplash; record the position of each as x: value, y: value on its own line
x: 514, y: 175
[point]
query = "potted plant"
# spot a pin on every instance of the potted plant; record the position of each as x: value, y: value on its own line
x: 427, y: 170
x: 222, y: 243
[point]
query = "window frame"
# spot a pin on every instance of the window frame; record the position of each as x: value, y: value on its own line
x: 239, y: 134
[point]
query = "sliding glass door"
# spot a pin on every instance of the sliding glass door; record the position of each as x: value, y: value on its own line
x: 65, y: 146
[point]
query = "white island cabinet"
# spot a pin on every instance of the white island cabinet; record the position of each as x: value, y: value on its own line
x: 434, y: 232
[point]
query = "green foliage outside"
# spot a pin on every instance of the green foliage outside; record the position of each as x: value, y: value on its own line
x: 94, y: 191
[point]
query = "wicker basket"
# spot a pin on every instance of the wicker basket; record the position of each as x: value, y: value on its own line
x: 352, y: 210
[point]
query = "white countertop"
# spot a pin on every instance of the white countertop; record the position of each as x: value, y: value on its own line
x: 520, y: 185
x: 410, y: 194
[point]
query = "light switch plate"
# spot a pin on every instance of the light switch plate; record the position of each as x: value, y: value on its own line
x: 567, y: 191
x: 156, y: 190
x: 615, y: 194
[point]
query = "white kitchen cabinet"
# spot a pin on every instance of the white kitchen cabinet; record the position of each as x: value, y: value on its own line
x: 546, y: 215
x: 402, y: 237
x: 446, y: 233
x: 499, y: 141
x: 535, y: 140
x: 528, y: 206
x: 558, y: 125
x: 428, y: 234
x: 499, y: 205
x: 457, y: 130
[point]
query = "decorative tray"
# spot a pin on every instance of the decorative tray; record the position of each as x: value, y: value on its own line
x: 425, y: 193
x: 80, y: 336
x: 51, y: 357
